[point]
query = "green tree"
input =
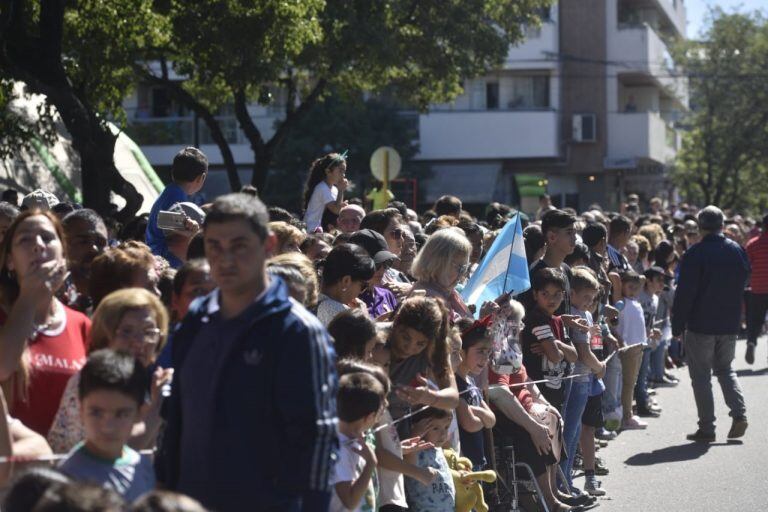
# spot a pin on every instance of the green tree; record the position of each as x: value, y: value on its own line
x: 724, y: 151
x: 80, y: 56
x: 420, y: 51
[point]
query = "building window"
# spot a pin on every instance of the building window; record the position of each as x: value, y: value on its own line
x: 492, y: 95
x: 529, y: 92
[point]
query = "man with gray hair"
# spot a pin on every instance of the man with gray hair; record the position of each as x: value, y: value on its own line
x: 707, y: 310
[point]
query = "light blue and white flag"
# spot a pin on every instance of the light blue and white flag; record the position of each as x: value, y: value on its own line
x: 504, y: 268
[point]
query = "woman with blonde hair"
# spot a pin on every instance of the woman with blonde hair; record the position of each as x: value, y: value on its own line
x: 131, y: 320
x: 289, y: 238
x: 304, y: 266
x: 441, y: 264
x: 42, y: 342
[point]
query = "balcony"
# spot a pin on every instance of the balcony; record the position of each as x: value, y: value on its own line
x: 669, y: 15
x: 637, y: 53
x: 466, y: 135
x: 537, y: 51
x: 161, y: 137
x: 641, y: 135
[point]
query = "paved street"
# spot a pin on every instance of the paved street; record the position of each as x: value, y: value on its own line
x: 658, y: 469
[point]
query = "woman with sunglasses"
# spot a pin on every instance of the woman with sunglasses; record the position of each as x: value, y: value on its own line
x: 345, y: 275
x: 440, y: 265
x: 389, y: 223
x: 131, y: 320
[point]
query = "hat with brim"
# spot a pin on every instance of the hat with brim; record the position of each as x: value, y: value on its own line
x: 374, y: 244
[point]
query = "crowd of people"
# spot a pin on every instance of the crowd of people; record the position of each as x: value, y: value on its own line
x: 234, y: 356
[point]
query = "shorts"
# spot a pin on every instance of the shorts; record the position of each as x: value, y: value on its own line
x: 593, y: 412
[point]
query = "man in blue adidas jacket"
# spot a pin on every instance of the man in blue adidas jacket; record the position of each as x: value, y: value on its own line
x: 252, y: 417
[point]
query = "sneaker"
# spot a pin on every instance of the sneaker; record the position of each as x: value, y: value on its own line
x: 634, y: 423
x: 606, y: 435
x: 601, y: 443
x: 578, y: 462
x: 593, y: 486
x: 671, y: 378
x: 738, y: 427
x: 600, y: 467
x: 750, y: 355
x: 701, y: 437
x: 647, y: 412
x: 577, y: 501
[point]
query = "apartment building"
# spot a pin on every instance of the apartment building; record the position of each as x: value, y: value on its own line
x: 584, y: 108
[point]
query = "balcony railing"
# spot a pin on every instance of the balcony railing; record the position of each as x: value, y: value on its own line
x: 180, y: 130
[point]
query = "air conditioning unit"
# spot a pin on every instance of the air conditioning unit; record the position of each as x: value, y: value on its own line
x: 584, y: 128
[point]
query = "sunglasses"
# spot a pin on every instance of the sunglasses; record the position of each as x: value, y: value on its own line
x: 385, y: 264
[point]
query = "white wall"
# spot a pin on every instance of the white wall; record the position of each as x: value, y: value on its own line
x: 638, y: 135
x: 533, y: 51
x: 486, y: 135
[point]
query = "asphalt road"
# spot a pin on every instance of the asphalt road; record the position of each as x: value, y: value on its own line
x: 659, y: 470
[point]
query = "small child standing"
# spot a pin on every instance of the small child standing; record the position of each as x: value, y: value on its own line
x: 545, y: 354
x: 649, y: 301
x: 584, y: 290
x: 112, y: 388
x: 632, y: 333
x: 432, y: 425
x: 473, y: 413
x: 359, y: 402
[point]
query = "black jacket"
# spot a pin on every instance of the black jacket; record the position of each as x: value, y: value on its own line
x: 713, y: 274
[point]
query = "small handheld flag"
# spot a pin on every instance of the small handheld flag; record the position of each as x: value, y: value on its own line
x: 504, y: 269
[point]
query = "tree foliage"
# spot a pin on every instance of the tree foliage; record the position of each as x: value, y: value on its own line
x: 724, y: 158
x: 420, y: 51
x: 79, y: 55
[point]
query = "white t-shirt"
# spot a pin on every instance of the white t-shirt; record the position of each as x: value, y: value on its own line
x: 632, y: 323
x: 348, y: 468
x: 321, y: 196
x: 391, y: 483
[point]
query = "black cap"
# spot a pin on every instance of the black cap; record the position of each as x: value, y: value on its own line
x: 593, y: 233
x: 654, y: 271
x: 374, y: 243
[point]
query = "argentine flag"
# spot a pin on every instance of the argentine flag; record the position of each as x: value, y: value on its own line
x: 504, y: 269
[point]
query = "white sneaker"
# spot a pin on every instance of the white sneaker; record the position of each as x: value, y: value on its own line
x: 634, y: 423
x: 593, y: 486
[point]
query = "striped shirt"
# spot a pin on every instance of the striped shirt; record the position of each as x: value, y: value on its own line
x: 617, y: 260
x: 757, y: 252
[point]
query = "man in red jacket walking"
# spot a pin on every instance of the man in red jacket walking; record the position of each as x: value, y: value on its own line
x: 757, y: 302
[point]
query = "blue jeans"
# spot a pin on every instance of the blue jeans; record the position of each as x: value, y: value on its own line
x: 612, y: 381
x: 658, y: 359
x: 641, y: 386
x: 675, y: 350
x: 574, y: 409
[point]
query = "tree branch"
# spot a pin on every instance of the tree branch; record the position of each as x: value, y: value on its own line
x: 294, y: 116
x: 183, y: 96
x: 52, y: 29
x: 249, y: 128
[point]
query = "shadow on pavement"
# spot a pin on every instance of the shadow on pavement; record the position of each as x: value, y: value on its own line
x: 749, y: 372
x: 679, y: 453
